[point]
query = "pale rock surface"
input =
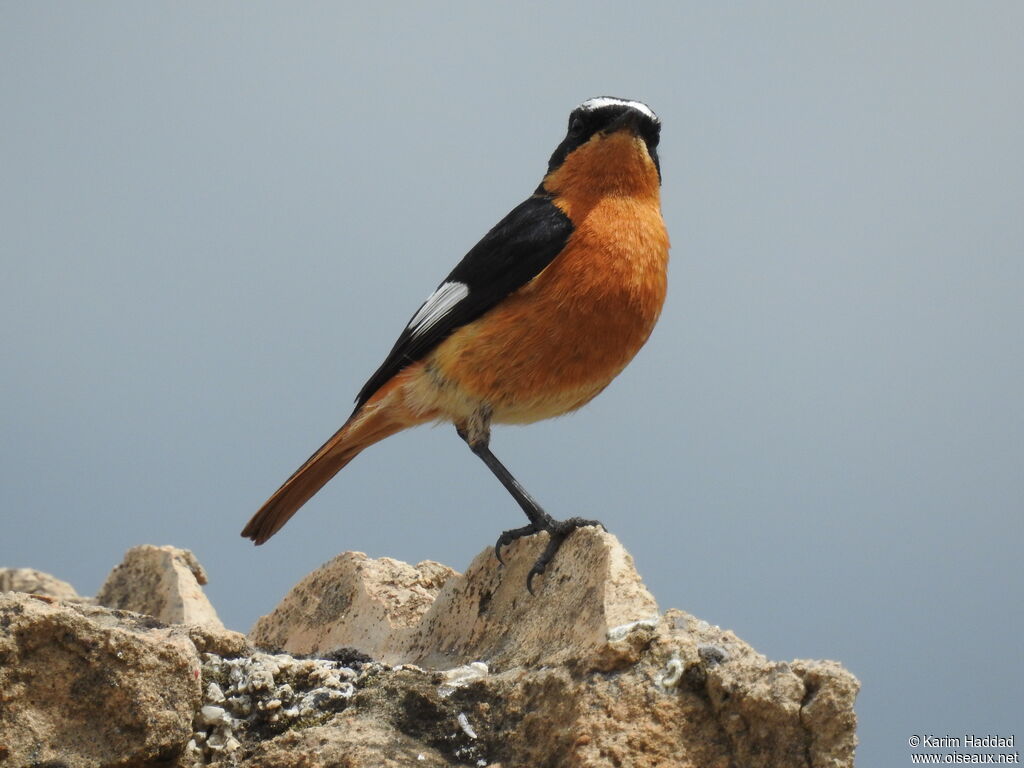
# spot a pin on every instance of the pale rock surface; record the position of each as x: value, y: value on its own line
x: 431, y: 615
x: 35, y: 582
x: 163, y: 582
x: 82, y: 686
x: 487, y: 614
x: 356, y: 602
x: 210, y: 639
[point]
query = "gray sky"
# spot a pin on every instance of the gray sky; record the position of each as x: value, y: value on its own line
x: 215, y: 219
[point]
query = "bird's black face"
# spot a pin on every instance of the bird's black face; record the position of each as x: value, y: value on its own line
x: 606, y: 115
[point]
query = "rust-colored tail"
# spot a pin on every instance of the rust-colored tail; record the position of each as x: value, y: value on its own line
x: 370, y: 424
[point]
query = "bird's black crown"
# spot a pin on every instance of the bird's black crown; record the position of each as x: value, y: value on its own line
x: 601, y: 114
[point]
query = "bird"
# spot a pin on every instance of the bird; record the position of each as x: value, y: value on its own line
x: 534, y: 322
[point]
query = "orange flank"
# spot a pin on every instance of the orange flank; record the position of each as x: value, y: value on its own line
x: 553, y: 345
x: 558, y: 341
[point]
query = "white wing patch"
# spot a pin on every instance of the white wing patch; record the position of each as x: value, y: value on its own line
x: 440, y: 303
x: 608, y: 101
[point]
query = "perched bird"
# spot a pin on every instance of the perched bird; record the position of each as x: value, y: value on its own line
x: 535, y: 320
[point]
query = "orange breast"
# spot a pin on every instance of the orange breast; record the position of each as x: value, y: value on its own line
x: 558, y: 341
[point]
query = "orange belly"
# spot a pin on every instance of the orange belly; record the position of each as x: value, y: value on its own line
x: 558, y: 341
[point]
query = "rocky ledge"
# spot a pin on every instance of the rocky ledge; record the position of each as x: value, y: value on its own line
x: 376, y: 663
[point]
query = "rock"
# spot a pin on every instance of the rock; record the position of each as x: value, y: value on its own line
x: 82, y: 686
x: 615, y: 685
x: 431, y: 615
x: 35, y: 582
x: 827, y: 712
x: 488, y: 615
x: 675, y: 691
x: 163, y: 582
x: 223, y: 642
x: 354, y: 602
x: 720, y: 700
x: 665, y: 706
x: 252, y: 699
x: 349, y: 742
x: 586, y: 674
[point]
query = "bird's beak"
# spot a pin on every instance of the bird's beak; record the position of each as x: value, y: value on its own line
x: 629, y: 120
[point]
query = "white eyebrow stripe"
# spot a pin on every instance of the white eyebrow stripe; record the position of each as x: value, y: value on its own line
x: 608, y: 101
x: 437, y: 305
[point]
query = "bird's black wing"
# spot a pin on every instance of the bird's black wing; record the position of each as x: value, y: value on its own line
x: 514, y: 252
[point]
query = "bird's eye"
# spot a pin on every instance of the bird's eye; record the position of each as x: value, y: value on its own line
x: 576, y: 126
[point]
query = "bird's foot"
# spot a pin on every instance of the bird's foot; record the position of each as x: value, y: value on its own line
x: 558, y: 531
x: 507, y: 537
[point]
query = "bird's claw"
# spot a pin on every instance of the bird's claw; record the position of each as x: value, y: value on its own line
x: 578, y: 522
x: 507, y: 537
x: 557, y: 533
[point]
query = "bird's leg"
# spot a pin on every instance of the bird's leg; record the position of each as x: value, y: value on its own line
x: 477, y: 434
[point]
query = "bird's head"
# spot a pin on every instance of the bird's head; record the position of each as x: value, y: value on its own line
x: 611, y: 147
